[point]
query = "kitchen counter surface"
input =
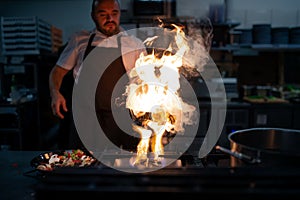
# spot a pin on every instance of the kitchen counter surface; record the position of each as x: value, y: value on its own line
x: 14, y: 183
x: 18, y: 181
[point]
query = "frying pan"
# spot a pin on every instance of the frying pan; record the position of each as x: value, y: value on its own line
x: 43, y: 158
x: 264, y: 147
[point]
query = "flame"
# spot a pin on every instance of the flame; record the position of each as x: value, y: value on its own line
x: 153, y: 96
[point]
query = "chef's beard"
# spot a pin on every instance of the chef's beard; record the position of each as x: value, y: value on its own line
x: 110, y: 31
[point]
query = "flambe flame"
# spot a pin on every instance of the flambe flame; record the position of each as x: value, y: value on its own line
x: 153, y: 96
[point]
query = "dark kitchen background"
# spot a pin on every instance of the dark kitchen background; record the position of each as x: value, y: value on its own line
x: 256, y: 47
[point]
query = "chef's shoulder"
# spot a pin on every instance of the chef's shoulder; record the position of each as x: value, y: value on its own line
x: 132, y: 41
x: 80, y: 36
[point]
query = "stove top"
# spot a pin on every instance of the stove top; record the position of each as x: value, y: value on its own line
x: 188, y: 177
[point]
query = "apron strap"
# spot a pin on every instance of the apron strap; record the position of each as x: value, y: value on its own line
x: 89, y: 47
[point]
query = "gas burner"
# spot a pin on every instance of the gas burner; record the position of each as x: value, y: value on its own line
x: 162, y: 162
x: 129, y: 160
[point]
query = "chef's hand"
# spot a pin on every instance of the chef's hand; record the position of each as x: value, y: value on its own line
x: 58, y: 102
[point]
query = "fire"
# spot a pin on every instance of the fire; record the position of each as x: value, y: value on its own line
x: 154, y: 100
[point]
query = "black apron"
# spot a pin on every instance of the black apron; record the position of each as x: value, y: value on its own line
x: 103, y: 96
x: 68, y: 137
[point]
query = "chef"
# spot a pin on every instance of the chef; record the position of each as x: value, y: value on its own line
x: 111, y: 39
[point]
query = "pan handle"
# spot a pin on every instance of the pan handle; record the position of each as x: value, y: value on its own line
x: 239, y: 155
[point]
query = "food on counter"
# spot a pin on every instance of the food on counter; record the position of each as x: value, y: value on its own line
x: 71, y: 158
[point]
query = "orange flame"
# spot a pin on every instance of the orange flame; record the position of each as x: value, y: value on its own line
x: 154, y: 89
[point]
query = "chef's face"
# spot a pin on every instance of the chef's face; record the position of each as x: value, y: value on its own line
x: 106, y: 16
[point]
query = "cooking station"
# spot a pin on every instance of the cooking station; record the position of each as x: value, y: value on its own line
x: 187, y: 177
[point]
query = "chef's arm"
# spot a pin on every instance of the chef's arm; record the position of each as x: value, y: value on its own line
x: 58, y: 101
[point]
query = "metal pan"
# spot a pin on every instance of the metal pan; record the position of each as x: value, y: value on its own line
x: 43, y: 160
x: 264, y: 147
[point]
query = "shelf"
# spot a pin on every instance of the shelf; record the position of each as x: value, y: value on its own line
x: 254, y: 49
x: 226, y: 24
x: 259, y: 47
x: 276, y: 47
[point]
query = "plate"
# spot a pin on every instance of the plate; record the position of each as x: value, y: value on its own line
x: 74, y: 158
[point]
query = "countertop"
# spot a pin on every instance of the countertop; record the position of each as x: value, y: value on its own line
x: 19, y: 181
x: 14, y: 183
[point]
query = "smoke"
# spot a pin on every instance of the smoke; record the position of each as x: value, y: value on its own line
x: 199, y: 40
x: 198, y: 37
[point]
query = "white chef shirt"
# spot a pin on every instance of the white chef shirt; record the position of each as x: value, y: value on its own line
x: 72, y: 55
